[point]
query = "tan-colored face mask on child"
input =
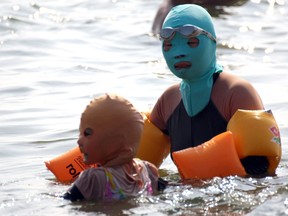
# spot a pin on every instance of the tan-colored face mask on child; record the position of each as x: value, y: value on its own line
x: 110, y: 131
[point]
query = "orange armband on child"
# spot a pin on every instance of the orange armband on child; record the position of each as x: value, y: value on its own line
x: 154, y: 147
x: 67, y: 166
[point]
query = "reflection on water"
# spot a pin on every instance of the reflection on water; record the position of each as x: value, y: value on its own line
x: 55, y: 56
x: 231, y: 195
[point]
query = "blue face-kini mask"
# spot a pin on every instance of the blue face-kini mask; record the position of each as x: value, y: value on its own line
x: 197, y: 80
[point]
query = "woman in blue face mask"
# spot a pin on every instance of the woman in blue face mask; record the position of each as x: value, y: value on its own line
x: 200, y: 106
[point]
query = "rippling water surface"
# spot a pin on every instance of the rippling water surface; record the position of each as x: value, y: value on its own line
x: 56, y: 55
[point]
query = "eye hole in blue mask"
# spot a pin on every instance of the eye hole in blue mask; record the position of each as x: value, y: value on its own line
x: 192, y: 42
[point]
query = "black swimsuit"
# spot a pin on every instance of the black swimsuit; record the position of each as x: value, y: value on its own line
x: 186, y: 131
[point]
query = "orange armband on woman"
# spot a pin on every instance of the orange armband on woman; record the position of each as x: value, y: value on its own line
x: 251, y: 135
x: 154, y: 145
x: 256, y: 133
x: 216, y: 157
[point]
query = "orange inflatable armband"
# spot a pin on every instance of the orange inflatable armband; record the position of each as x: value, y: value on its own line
x: 67, y: 167
x: 154, y: 147
x: 256, y: 133
x: 216, y: 157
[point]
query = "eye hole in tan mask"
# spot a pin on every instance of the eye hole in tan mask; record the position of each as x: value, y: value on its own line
x: 88, y: 132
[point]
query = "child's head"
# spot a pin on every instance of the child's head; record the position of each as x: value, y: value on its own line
x: 110, y: 131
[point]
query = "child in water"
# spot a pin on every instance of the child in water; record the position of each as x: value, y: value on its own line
x: 110, y: 132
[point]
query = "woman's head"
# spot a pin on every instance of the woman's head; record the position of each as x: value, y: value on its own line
x: 110, y: 131
x: 190, y: 51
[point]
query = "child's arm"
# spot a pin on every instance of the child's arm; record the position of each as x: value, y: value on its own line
x: 73, y: 194
x: 154, y: 176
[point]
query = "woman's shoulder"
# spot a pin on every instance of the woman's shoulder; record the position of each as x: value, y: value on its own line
x: 232, y: 92
x: 232, y: 79
x: 227, y: 76
x: 172, y: 91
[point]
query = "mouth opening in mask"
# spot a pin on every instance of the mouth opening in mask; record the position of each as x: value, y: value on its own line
x: 182, y: 65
